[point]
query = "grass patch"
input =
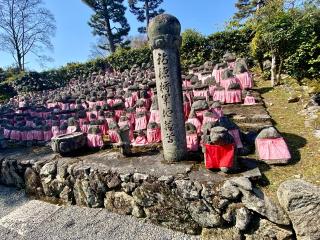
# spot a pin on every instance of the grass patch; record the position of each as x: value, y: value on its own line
x: 304, y: 147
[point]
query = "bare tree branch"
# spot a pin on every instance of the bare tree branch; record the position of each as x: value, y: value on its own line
x: 26, y: 27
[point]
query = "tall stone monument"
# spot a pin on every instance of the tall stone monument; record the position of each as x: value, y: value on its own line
x: 165, y: 40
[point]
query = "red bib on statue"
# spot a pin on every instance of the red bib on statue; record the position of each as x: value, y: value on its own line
x: 219, y: 156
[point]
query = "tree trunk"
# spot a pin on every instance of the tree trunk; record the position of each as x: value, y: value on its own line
x: 260, y: 62
x: 110, y: 36
x: 147, y: 14
x: 279, y: 70
x: 20, y: 65
x: 19, y: 60
x: 273, y: 70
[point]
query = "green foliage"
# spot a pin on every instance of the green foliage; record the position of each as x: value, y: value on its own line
x: 74, y: 70
x: 305, y: 62
x: 313, y: 86
x: 125, y: 58
x: 246, y: 8
x: 6, y: 92
x: 275, y: 29
x: 258, y: 51
x: 289, y: 31
x: 109, y: 21
x: 51, y: 79
x: 6, y: 77
x: 194, y: 49
x: 10, y: 74
x: 144, y: 12
x: 235, y: 41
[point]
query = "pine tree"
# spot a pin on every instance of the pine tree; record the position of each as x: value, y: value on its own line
x: 145, y: 11
x: 109, y: 21
x: 247, y: 7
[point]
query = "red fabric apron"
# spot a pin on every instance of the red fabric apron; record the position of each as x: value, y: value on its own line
x: 272, y: 149
x: 219, y: 95
x: 245, y: 80
x: 249, y: 100
x: 155, y: 116
x: 94, y: 140
x: 140, y: 141
x: 192, y: 142
x: 233, y: 96
x: 154, y: 135
x: 219, y: 156
x: 186, y: 109
x: 196, y: 122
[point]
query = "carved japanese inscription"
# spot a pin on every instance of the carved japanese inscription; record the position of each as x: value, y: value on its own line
x: 164, y: 37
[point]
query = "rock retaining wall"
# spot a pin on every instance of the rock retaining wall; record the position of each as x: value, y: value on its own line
x: 231, y: 208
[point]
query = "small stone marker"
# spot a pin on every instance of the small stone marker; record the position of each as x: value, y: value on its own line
x: 68, y: 143
x: 165, y: 40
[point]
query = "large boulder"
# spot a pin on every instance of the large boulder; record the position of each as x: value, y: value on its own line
x: 258, y: 202
x: 11, y: 173
x: 301, y: 201
x: 89, y: 187
x: 32, y: 182
x: 188, y: 190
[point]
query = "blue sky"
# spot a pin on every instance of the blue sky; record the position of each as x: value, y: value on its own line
x: 73, y: 39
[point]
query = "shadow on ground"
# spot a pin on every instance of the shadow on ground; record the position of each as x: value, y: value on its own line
x: 264, y: 90
x: 251, y: 163
x: 295, y: 142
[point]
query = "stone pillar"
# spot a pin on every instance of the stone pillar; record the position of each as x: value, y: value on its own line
x: 165, y: 40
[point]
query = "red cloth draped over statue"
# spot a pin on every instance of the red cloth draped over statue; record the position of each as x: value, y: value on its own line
x: 272, y: 149
x: 192, y: 142
x: 219, y: 156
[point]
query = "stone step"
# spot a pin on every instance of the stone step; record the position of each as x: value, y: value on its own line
x: 255, y: 127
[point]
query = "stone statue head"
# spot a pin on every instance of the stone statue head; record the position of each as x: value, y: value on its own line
x: 164, y: 32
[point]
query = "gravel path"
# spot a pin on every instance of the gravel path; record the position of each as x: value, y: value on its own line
x: 21, y: 218
x: 10, y: 199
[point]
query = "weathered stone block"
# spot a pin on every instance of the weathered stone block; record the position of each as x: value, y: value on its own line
x: 120, y: 202
x: 260, y: 203
x: 32, y: 182
x: 230, y: 191
x: 164, y: 207
x: 204, y: 215
x: 188, y: 189
x: 165, y: 40
x: 301, y: 200
x: 68, y: 143
x: 243, y: 218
